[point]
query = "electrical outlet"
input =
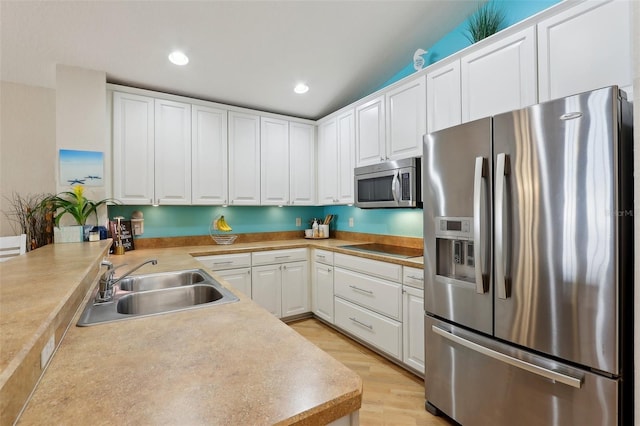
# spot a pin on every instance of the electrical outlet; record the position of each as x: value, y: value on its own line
x: 298, y: 221
x: 47, y: 351
x: 350, y: 222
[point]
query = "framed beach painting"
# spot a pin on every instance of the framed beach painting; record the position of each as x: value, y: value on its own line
x: 81, y: 167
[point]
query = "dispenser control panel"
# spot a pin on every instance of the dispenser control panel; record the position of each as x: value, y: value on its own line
x: 454, y: 248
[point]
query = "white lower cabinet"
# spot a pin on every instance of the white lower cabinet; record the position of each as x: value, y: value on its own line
x: 282, y: 289
x: 267, y: 290
x: 367, y: 305
x: 280, y: 281
x: 378, y: 330
x: 234, y: 268
x: 413, y: 328
x: 322, y: 284
x: 239, y: 278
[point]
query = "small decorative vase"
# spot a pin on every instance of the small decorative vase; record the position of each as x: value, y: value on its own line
x: 68, y: 234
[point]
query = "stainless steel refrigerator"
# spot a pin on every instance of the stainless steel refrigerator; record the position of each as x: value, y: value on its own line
x: 528, y: 265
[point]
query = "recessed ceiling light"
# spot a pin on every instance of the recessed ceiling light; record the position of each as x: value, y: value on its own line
x: 301, y: 88
x: 178, y: 58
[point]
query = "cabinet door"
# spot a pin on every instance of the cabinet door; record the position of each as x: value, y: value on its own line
x: 240, y: 279
x: 413, y: 328
x: 406, y: 119
x: 500, y: 77
x: 266, y: 287
x: 208, y: 156
x: 444, y: 102
x: 172, y: 152
x: 322, y: 282
x: 302, y: 164
x: 346, y: 157
x: 133, y: 148
x: 370, y: 132
x: 584, y: 48
x: 295, y: 289
x: 244, y: 159
x: 328, y: 162
x: 274, y: 161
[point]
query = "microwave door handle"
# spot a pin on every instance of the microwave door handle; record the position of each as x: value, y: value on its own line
x: 395, y: 184
x: 480, y: 239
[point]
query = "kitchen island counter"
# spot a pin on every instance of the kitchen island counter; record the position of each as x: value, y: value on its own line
x: 227, y: 364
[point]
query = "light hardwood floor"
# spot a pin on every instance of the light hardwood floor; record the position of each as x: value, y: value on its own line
x: 391, y: 396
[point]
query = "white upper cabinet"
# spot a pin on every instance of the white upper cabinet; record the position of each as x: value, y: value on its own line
x: 133, y: 148
x: 244, y: 159
x: 209, y: 156
x: 585, y: 47
x: 406, y: 119
x: 499, y: 77
x: 336, y: 138
x: 302, y: 164
x: 328, y: 162
x: 444, y: 102
x: 370, y: 132
x: 274, y: 161
x: 346, y: 157
x: 173, y: 152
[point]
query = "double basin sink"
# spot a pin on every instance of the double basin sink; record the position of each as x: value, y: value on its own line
x: 152, y: 294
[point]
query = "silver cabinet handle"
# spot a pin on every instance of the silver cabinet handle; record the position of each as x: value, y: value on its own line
x: 502, y: 170
x: 361, y: 289
x: 480, y: 239
x: 370, y: 327
x: 321, y: 256
x: 413, y: 277
x: 223, y: 263
x: 515, y: 362
x: 283, y: 257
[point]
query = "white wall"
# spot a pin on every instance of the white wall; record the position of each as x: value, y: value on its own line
x: 81, y: 124
x: 27, y: 144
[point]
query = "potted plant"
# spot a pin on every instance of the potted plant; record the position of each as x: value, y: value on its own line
x: 79, y: 207
x: 486, y: 21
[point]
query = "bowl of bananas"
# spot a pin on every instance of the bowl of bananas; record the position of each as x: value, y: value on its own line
x: 219, y: 231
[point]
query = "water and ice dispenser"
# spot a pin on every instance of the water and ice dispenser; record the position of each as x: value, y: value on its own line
x: 454, y: 248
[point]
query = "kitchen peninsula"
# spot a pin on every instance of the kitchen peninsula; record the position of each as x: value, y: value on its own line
x: 225, y: 364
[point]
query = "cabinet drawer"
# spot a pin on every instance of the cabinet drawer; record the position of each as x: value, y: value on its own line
x: 388, y: 271
x: 383, y: 333
x: 413, y: 277
x: 278, y: 256
x: 225, y: 261
x: 323, y: 256
x: 381, y: 296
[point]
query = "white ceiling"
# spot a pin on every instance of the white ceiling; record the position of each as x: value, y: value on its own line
x: 245, y: 53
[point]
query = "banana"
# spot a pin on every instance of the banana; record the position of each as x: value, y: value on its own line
x: 222, y: 225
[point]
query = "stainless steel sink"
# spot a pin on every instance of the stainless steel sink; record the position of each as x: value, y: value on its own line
x: 170, y: 299
x: 162, y: 280
x: 153, y: 294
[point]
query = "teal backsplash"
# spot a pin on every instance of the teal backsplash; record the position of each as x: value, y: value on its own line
x: 178, y: 221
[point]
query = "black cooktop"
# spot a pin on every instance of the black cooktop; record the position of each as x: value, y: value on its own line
x: 388, y: 250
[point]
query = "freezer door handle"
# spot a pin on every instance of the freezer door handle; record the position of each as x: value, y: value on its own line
x: 515, y: 362
x: 502, y: 227
x: 480, y: 239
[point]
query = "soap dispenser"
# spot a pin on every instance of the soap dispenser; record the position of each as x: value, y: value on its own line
x: 315, y: 228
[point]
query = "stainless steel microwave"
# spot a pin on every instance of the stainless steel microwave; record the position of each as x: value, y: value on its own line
x: 388, y: 185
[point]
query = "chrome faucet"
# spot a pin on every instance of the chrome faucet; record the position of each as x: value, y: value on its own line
x: 105, y: 289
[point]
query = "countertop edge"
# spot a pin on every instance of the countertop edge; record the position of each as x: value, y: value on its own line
x: 22, y: 374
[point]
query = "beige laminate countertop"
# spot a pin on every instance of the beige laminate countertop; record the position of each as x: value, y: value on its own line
x: 224, y: 364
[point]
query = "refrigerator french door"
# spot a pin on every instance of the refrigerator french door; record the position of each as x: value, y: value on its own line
x: 528, y: 265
